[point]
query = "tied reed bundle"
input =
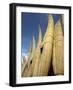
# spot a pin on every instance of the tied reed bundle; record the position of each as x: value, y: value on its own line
x: 37, y: 55
x: 45, y: 59
x: 27, y: 72
x: 63, y: 24
x: 58, y: 50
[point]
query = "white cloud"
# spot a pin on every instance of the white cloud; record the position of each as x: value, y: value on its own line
x: 24, y: 55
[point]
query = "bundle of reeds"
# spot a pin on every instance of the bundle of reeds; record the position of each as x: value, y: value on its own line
x: 27, y: 72
x: 47, y: 44
x: 63, y: 24
x: 58, y: 50
x: 36, y: 61
x: 63, y: 19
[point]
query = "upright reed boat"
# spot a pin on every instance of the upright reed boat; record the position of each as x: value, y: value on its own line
x: 63, y: 24
x: 27, y: 72
x: 47, y: 49
x: 58, y: 50
x: 36, y: 61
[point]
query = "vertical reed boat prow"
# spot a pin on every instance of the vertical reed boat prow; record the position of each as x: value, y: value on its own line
x: 47, y: 48
x: 63, y: 19
x: 30, y: 70
x: 27, y: 72
x: 63, y: 24
x: 33, y: 49
x: 36, y: 61
x: 58, y: 50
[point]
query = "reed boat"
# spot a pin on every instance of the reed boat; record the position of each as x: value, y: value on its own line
x: 58, y: 50
x: 47, y: 45
x: 31, y: 60
x: 62, y: 19
x: 27, y: 72
x: 36, y: 61
x: 63, y: 24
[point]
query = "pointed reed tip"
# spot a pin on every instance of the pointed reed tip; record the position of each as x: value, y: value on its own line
x: 58, y: 23
x: 58, y: 26
x: 62, y: 19
x: 50, y: 16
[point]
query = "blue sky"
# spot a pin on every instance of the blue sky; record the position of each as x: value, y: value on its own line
x: 29, y: 26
